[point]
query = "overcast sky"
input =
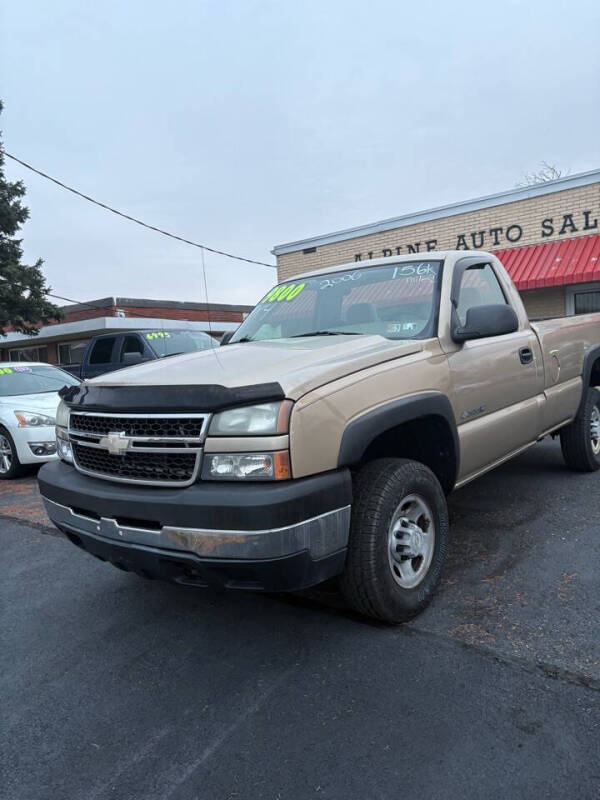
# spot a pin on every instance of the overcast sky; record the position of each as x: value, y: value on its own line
x: 246, y: 124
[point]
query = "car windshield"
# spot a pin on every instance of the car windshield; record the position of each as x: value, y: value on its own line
x: 171, y: 343
x: 34, y: 379
x: 398, y: 301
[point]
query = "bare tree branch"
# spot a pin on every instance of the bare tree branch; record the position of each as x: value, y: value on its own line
x: 546, y: 172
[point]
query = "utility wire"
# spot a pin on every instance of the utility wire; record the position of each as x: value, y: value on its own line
x: 133, y: 219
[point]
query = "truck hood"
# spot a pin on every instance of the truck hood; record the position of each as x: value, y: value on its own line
x: 298, y: 365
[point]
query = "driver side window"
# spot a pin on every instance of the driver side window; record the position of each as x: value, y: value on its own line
x: 131, y: 344
x: 479, y: 287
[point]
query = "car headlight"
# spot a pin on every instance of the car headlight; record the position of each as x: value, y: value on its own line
x: 265, y: 419
x: 29, y: 419
x: 246, y: 466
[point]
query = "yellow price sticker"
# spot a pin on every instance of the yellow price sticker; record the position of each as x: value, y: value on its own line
x: 287, y: 291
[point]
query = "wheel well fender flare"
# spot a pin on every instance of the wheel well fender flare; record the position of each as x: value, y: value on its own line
x: 365, y: 429
x: 591, y: 356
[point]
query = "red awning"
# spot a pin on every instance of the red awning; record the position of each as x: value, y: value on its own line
x: 553, y: 264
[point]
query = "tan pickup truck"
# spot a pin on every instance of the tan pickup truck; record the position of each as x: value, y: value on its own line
x: 323, y: 439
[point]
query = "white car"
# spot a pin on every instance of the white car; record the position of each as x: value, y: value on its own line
x: 28, y: 402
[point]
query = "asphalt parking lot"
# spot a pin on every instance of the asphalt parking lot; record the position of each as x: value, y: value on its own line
x: 115, y: 687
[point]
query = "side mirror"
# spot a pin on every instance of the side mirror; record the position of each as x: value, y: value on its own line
x: 483, y: 321
x: 131, y: 359
x: 226, y: 337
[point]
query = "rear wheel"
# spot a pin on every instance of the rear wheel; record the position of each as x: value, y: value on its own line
x: 10, y: 466
x: 580, y: 441
x: 397, y: 541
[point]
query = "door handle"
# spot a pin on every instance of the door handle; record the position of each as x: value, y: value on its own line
x: 525, y: 355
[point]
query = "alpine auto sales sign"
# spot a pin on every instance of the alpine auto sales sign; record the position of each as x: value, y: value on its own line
x: 496, y: 237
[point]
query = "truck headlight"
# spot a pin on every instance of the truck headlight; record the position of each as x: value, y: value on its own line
x: 62, y: 415
x: 29, y: 419
x: 246, y: 466
x: 261, y: 420
x: 63, y: 445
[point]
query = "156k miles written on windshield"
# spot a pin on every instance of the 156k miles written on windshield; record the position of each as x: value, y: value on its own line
x: 398, y: 301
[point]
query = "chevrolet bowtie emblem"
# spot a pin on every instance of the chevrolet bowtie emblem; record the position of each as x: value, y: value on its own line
x: 115, y: 443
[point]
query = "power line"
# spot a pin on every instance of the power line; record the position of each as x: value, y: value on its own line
x: 133, y: 219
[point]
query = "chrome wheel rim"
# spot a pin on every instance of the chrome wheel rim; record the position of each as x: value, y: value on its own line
x: 595, y: 430
x: 6, y: 455
x: 411, y: 541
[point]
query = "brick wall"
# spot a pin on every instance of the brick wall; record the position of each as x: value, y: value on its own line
x: 52, y: 353
x: 194, y: 315
x: 442, y: 234
x: 89, y: 313
x: 542, y: 303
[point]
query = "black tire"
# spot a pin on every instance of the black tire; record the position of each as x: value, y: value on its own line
x: 368, y: 581
x: 576, y: 439
x: 16, y: 468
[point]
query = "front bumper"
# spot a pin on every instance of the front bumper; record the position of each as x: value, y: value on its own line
x: 274, y: 537
x: 22, y: 438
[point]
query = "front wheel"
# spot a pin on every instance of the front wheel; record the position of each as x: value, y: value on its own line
x: 10, y: 466
x: 580, y: 441
x: 398, y: 540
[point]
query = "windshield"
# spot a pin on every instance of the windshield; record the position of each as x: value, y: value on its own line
x: 398, y: 301
x: 170, y: 343
x: 33, y: 380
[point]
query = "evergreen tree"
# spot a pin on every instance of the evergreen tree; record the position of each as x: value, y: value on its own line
x: 23, y: 304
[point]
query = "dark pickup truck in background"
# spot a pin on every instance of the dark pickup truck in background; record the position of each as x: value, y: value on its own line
x: 112, y: 351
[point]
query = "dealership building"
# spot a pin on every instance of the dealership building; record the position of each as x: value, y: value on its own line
x: 546, y: 235
x: 64, y: 342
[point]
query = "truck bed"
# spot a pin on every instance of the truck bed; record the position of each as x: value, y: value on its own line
x: 564, y: 341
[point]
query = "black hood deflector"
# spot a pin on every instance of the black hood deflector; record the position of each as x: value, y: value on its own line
x: 167, y: 399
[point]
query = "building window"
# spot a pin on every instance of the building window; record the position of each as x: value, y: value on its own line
x: 72, y: 352
x: 28, y: 354
x: 586, y: 302
x: 583, y: 298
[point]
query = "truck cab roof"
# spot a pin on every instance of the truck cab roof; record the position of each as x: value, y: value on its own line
x: 430, y: 255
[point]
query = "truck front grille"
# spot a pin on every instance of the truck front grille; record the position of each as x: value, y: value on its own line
x: 158, y: 449
x: 165, y: 467
x: 167, y: 427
